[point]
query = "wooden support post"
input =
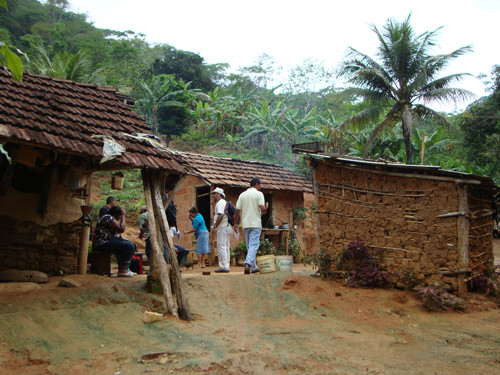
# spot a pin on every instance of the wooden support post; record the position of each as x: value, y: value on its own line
x: 85, y: 232
x: 84, y: 249
x: 161, y: 217
x: 463, y: 238
x: 158, y: 253
x: 316, y: 190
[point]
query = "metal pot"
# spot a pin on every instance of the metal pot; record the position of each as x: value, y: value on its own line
x: 284, y: 225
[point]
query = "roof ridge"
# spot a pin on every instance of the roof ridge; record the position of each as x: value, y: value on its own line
x: 69, y: 81
x: 233, y: 159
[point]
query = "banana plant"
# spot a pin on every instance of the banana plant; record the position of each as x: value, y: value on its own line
x: 433, y: 144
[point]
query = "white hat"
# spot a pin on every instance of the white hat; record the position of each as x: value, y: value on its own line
x: 219, y: 191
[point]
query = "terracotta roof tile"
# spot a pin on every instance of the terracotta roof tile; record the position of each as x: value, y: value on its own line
x: 237, y: 173
x: 64, y: 115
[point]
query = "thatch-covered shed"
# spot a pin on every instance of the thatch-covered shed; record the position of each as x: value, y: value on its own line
x: 282, y: 188
x: 422, y: 219
x: 54, y: 131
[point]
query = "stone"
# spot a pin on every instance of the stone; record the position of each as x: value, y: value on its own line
x: 150, y: 317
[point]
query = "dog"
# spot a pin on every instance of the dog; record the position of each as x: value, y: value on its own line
x: 188, y: 266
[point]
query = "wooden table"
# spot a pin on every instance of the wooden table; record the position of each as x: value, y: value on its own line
x: 277, y: 236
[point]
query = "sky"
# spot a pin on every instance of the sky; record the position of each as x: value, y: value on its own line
x: 237, y: 32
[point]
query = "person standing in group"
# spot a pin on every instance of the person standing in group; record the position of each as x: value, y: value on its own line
x: 110, y: 202
x: 223, y: 230
x: 201, y: 233
x: 250, y: 207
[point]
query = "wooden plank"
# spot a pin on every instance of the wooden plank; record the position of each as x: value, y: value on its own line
x: 463, y: 238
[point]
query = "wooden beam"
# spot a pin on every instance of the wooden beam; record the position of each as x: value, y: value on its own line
x: 174, y: 190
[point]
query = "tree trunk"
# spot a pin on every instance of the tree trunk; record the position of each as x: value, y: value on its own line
x: 156, y: 248
x: 407, y: 122
x: 161, y: 218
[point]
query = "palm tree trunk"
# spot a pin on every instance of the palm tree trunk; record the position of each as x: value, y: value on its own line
x: 407, y: 123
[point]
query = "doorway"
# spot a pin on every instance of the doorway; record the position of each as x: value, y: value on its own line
x: 267, y: 218
x: 203, y: 203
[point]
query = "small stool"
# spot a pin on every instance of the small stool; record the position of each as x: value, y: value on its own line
x: 100, y: 262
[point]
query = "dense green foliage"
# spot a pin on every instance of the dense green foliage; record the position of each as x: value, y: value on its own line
x: 248, y: 114
x: 481, y: 127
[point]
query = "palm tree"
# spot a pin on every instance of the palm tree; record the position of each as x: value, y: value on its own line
x: 75, y: 67
x: 404, y: 80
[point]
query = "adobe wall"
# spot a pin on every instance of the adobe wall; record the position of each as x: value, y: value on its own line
x: 29, y: 242
x: 399, y: 215
x: 480, y: 246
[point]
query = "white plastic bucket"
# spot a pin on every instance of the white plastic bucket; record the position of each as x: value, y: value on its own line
x: 284, y: 262
x: 266, y: 263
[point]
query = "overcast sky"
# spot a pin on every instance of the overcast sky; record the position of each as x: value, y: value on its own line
x: 238, y: 31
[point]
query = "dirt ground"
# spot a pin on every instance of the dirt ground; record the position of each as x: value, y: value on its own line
x: 279, y: 323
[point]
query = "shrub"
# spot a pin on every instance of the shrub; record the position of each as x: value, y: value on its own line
x: 293, y: 247
x: 266, y: 247
x: 299, y: 214
x: 322, y: 261
x: 361, y: 265
x: 366, y: 275
x: 436, y: 299
x: 489, y: 283
x: 239, y: 250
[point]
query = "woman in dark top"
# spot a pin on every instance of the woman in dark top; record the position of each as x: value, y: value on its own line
x: 108, y: 238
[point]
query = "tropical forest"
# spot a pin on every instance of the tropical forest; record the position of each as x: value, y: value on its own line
x: 379, y: 106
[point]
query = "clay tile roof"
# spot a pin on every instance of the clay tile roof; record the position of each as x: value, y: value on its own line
x: 65, y: 115
x: 238, y: 173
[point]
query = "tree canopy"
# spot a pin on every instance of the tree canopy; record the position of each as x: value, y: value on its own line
x: 258, y: 111
x: 402, y: 81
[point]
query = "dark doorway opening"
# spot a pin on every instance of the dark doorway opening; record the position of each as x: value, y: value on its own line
x: 203, y: 203
x: 267, y: 218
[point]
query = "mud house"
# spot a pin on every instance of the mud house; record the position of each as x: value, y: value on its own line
x: 57, y: 133
x: 422, y: 219
x: 282, y: 188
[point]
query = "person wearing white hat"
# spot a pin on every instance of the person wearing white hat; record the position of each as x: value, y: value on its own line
x: 223, y: 230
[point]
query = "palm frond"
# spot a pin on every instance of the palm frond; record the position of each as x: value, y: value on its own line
x: 447, y: 95
x: 362, y: 118
x: 426, y: 113
x: 392, y: 117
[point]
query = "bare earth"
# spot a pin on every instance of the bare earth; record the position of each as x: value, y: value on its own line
x: 279, y: 323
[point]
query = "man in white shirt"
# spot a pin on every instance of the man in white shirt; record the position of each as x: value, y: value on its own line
x: 250, y: 207
x: 223, y: 230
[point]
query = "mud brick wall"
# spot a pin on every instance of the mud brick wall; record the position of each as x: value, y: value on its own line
x: 403, y: 217
x: 481, y: 257
x: 30, y: 246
